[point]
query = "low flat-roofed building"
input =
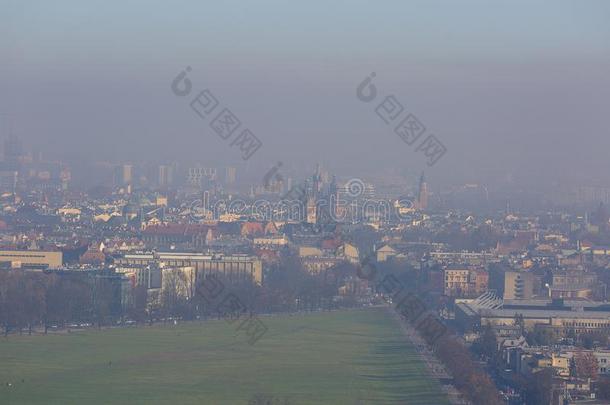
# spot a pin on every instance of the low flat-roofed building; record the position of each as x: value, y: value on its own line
x: 32, y: 258
x: 473, y: 258
x: 561, y: 316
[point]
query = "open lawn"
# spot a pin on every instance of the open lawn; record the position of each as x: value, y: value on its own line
x: 345, y: 357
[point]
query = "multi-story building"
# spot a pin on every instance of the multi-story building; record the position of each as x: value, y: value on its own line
x: 457, y: 281
x: 422, y: 194
x: 127, y: 174
x: 317, y: 264
x: 472, y: 258
x: 574, y: 284
x: 166, y: 175
x: 230, y: 175
x: 481, y: 281
x: 8, y: 181
x: 198, y: 176
x: 603, y: 360
x: 31, y: 258
x: 518, y: 285
x: 233, y: 267
x: 462, y: 281
x: 149, y: 276
x: 526, y: 359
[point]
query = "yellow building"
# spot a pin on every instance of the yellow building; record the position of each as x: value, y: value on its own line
x: 385, y: 252
x: 273, y: 241
x: 561, y: 363
x: 307, y: 251
x: 351, y: 254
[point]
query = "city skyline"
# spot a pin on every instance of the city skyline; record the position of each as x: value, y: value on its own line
x: 314, y: 202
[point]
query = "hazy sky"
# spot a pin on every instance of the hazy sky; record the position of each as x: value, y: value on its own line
x: 508, y: 86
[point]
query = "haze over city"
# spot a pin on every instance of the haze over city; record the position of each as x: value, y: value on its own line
x: 303, y: 203
x: 512, y: 88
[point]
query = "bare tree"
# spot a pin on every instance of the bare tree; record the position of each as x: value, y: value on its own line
x: 585, y: 365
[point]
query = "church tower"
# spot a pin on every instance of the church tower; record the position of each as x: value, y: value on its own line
x: 422, y: 193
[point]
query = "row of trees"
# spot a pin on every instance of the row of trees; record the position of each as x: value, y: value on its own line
x: 30, y: 299
x: 36, y: 299
x: 468, y: 377
x: 288, y: 287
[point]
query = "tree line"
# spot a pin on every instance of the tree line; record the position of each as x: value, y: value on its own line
x: 33, y: 299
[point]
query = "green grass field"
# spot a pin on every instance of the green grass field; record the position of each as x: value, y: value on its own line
x: 345, y: 357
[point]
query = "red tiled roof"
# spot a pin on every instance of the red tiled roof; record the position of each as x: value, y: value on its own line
x: 176, y: 229
x: 331, y: 244
x: 252, y: 228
